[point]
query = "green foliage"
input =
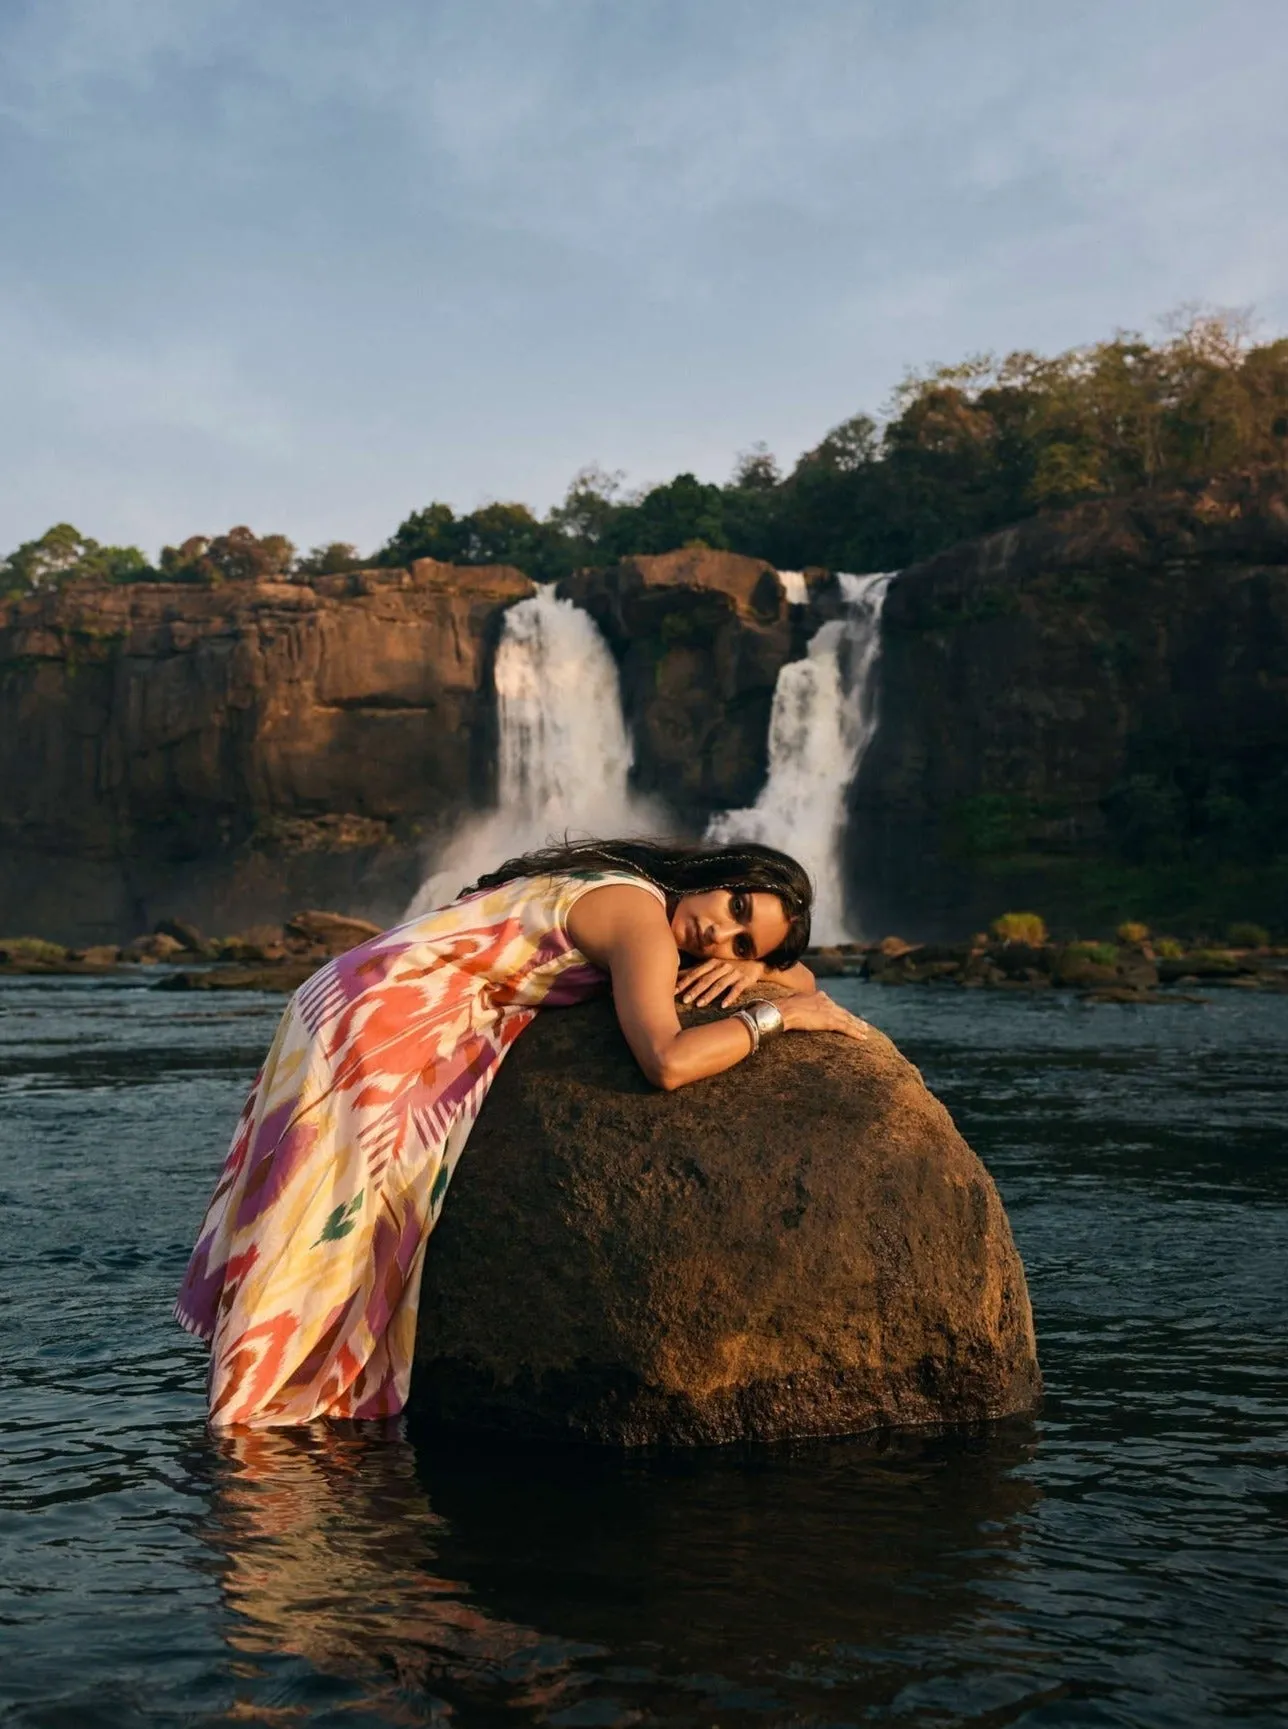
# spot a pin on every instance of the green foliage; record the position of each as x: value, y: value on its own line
x: 331, y: 559
x: 1096, y: 891
x: 684, y: 510
x: 1217, y: 795
x: 494, y: 534
x: 62, y: 555
x: 679, y: 629
x: 1245, y: 935
x: 963, y: 450
x: 1146, y: 817
x: 1027, y: 928
x: 1168, y: 949
x: 1101, y: 954
x: 971, y: 448
x: 991, y: 823
x: 31, y: 949
x: 590, y: 507
x: 756, y: 470
x: 238, y: 556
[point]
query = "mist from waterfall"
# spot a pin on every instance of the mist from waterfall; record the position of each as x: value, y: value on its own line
x: 823, y: 720
x: 565, y: 754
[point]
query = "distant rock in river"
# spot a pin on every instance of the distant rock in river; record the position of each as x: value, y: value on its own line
x: 803, y: 1245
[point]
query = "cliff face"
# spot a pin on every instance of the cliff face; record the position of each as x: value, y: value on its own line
x: 228, y: 755
x: 700, y: 637
x: 1094, y: 705
x: 224, y: 753
x: 1088, y: 714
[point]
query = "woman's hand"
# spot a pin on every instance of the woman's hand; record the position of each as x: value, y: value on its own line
x: 714, y: 980
x: 816, y: 1012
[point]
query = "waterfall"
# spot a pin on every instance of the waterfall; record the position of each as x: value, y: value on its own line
x: 823, y: 719
x: 565, y: 754
x: 795, y: 590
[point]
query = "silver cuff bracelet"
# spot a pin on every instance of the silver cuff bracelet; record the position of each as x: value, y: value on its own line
x: 760, y: 1019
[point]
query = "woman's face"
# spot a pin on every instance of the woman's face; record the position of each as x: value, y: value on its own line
x: 729, y: 925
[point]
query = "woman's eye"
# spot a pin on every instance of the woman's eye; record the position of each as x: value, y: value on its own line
x: 744, y: 948
x: 738, y: 907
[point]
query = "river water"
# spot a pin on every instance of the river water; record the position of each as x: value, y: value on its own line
x: 1123, y: 1559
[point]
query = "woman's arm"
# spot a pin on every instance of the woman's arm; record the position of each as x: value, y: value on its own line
x: 796, y: 978
x: 727, y: 980
x: 625, y: 931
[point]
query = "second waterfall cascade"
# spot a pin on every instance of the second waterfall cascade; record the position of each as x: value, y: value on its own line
x: 565, y: 754
x: 824, y: 718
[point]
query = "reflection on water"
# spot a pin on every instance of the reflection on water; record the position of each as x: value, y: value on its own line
x: 1120, y: 1561
x: 721, y: 1580
x: 327, y: 1551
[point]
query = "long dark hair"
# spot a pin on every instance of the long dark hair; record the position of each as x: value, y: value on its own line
x: 683, y: 868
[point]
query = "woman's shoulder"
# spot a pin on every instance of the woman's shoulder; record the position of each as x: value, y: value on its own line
x: 534, y: 901
x: 572, y: 885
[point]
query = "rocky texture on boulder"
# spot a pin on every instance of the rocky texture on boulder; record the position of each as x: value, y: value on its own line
x: 804, y: 1245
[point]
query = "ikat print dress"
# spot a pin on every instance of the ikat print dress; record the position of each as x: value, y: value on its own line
x: 306, y: 1275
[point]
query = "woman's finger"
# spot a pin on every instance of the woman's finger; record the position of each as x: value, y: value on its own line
x: 700, y: 967
x: 694, y: 975
x: 715, y: 977
x: 712, y: 989
x: 690, y: 988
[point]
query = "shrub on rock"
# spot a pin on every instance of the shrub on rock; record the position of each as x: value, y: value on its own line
x: 1244, y: 935
x: 1027, y: 928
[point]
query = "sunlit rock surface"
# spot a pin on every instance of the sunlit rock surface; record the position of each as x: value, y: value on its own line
x: 804, y: 1245
x: 226, y: 754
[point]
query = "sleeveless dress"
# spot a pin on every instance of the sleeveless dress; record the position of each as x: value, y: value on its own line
x: 306, y: 1275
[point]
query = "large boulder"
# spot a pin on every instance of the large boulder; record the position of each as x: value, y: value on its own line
x: 801, y: 1246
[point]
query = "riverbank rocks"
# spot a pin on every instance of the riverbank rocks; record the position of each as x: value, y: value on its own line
x: 334, y: 932
x: 803, y: 1245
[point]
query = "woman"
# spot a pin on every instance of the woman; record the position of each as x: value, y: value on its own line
x: 306, y: 1274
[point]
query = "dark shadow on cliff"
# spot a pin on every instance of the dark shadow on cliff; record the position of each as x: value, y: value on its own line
x: 1085, y: 715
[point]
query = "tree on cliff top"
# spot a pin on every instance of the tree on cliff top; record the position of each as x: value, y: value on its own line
x: 238, y: 556
x: 63, y: 554
x: 971, y: 448
x: 963, y: 450
x: 332, y: 558
x: 494, y: 534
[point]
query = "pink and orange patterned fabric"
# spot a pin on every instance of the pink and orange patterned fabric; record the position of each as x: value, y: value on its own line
x: 306, y: 1275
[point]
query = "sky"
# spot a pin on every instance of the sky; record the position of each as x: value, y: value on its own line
x: 309, y: 265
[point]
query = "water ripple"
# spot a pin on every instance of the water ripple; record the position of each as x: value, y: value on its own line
x: 1119, y: 1561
